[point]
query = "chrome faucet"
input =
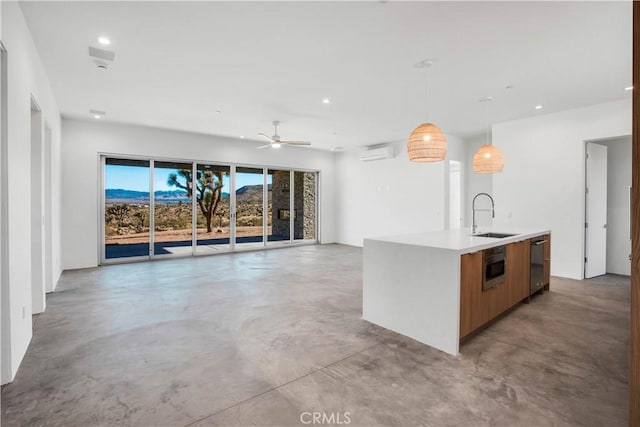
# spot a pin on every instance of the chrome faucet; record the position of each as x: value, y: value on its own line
x: 474, y: 226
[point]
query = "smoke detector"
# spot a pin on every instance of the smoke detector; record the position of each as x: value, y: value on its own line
x: 101, y: 57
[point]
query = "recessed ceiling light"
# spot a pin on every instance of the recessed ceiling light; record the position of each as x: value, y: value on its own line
x: 104, y: 41
x: 326, y: 101
x: 538, y: 107
x: 241, y: 136
x: 628, y: 88
x: 96, y: 114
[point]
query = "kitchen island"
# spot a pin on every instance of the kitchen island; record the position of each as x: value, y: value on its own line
x: 429, y: 286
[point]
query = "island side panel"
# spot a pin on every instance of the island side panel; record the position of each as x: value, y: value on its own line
x: 414, y: 291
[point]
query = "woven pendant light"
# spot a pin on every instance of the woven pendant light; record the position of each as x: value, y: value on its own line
x: 488, y: 158
x: 426, y: 143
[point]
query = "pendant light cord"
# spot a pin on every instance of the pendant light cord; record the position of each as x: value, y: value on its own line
x: 486, y: 117
x: 486, y: 101
x: 426, y: 86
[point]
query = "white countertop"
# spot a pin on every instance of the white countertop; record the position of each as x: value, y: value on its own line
x: 461, y: 240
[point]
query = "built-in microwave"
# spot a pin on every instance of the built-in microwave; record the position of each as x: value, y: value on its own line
x: 493, y: 263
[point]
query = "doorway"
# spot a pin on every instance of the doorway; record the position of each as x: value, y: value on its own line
x: 49, y: 280
x: 455, y: 194
x: 608, y: 207
x: 5, y: 307
x: 37, y: 214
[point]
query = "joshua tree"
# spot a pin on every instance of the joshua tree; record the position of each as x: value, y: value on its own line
x: 208, y: 189
x: 119, y: 213
x: 141, y: 217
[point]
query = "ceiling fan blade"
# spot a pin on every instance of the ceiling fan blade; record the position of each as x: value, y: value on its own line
x: 264, y: 146
x: 266, y: 136
x: 295, y: 142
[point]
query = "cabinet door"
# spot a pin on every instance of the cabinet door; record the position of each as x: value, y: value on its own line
x: 471, y: 311
x: 546, y: 265
x: 495, y: 301
x: 517, y: 274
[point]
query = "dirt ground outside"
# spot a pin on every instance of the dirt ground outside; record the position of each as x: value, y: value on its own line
x: 182, y: 235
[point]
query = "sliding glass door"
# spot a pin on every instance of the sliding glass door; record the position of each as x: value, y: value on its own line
x: 126, y: 208
x: 279, y: 207
x: 213, y: 210
x: 249, y: 195
x: 173, y: 208
x: 163, y: 208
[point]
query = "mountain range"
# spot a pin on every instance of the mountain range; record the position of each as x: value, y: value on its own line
x: 118, y: 195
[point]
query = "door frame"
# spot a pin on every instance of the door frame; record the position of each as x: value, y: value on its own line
x: 47, y: 208
x: 36, y: 215
x: 585, y: 221
x: 102, y: 206
x: 5, y: 303
x: 634, y: 333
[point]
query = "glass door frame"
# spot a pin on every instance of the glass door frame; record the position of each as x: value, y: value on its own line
x: 233, y: 206
x: 102, y: 238
x: 152, y: 210
x: 102, y: 156
x: 278, y: 243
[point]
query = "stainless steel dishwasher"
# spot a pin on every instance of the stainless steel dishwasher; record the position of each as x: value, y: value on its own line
x: 537, y: 264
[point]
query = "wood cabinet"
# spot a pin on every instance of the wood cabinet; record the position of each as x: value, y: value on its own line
x: 478, y: 307
x: 495, y: 301
x: 471, y: 313
x: 517, y: 271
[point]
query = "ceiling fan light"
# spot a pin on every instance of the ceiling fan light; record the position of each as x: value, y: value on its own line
x: 488, y: 159
x: 276, y: 145
x: 427, y: 143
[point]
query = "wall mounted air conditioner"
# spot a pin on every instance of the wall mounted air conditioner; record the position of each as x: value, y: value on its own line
x: 381, y: 153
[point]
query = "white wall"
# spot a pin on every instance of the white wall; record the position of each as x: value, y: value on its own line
x: 392, y: 196
x: 456, y: 150
x: 618, y: 210
x: 476, y: 183
x: 542, y: 185
x: 26, y: 78
x: 83, y: 141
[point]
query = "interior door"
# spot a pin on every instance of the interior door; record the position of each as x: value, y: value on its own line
x: 596, y: 211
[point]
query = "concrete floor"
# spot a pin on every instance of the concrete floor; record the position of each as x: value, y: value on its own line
x: 261, y: 338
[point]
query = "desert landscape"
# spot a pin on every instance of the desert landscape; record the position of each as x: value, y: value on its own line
x: 127, y: 216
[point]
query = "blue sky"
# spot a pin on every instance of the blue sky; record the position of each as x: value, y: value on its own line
x: 136, y: 178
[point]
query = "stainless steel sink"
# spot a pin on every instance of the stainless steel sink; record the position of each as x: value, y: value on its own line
x: 494, y: 235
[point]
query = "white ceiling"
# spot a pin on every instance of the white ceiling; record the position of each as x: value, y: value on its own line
x: 177, y: 63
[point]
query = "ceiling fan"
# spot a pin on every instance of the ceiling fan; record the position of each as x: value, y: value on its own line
x: 276, y: 142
